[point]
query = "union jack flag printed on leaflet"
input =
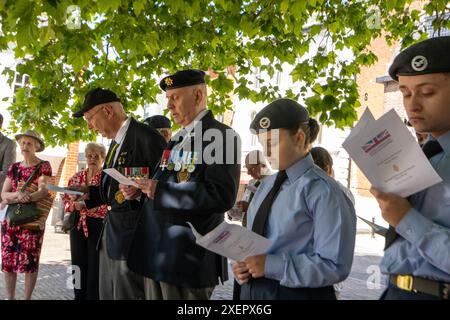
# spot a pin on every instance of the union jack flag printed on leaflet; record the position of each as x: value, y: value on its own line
x: 377, y: 140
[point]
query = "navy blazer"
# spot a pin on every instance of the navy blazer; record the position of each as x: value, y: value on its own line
x: 141, y: 147
x: 164, y: 247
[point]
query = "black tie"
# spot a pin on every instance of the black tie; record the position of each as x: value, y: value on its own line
x: 263, y: 212
x: 431, y: 148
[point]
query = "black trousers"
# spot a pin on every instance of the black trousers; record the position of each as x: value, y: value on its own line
x: 394, y: 293
x: 85, y: 255
x: 268, y: 289
x: 236, y: 290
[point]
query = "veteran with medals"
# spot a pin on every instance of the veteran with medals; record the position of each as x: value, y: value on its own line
x: 134, y: 151
x: 186, y: 188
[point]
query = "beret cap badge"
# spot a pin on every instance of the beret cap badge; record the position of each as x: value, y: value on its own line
x: 264, y: 122
x: 168, y: 81
x: 419, y: 63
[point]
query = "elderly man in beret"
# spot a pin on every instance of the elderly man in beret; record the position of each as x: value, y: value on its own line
x: 134, y: 151
x: 186, y: 188
x: 161, y: 124
x: 417, y: 254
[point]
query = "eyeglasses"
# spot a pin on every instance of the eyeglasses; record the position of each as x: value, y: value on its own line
x: 92, y: 156
x: 88, y: 119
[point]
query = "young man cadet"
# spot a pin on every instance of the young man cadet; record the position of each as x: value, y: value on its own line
x: 417, y: 251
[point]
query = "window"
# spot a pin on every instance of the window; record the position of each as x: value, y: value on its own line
x: 254, y: 141
x: 428, y: 24
x: 20, y: 81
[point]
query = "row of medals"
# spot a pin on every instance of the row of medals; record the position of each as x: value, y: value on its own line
x: 183, y: 169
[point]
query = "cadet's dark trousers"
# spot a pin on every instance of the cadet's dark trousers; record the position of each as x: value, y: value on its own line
x: 267, y: 289
x: 236, y: 290
x: 85, y: 255
x: 394, y: 293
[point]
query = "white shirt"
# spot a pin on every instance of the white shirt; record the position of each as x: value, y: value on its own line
x: 187, y: 131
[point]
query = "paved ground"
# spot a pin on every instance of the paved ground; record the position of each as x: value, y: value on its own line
x: 55, y: 259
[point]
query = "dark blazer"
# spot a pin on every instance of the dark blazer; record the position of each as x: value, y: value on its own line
x: 164, y: 247
x: 142, y: 147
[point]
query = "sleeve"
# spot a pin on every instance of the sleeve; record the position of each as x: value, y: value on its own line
x: 331, y: 257
x: 9, y: 157
x: 424, y: 234
x: 46, y: 169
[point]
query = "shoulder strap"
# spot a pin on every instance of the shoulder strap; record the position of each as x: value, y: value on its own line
x: 31, y: 177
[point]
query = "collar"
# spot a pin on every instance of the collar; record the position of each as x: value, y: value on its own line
x: 444, y: 141
x: 299, y: 168
x: 199, y: 116
x: 188, y: 129
x: 122, y: 131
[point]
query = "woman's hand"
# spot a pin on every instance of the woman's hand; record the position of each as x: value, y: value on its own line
x: 23, y: 197
x: 241, y: 273
x: 80, y: 188
x: 79, y: 205
x: 256, y: 265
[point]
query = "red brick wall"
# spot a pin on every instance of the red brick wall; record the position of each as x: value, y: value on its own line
x: 70, y: 163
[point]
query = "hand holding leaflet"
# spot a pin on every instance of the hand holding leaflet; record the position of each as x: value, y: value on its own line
x: 116, y: 175
x: 63, y: 190
x: 232, y: 241
x: 389, y: 156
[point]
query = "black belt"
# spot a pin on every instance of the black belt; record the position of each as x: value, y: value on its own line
x: 416, y: 284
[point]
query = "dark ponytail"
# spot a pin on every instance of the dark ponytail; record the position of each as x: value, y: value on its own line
x: 311, y: 130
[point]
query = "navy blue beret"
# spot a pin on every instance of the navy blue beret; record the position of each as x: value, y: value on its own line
x: 183, y: 78
x: 282, y: 113
x: 425, y: 57
x: 158, y: 122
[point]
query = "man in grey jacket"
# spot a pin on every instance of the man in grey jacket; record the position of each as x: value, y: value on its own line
x: 7, y: 154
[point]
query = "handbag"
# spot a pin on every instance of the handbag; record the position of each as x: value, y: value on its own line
x: 21, y: 213
x: 70, y: 221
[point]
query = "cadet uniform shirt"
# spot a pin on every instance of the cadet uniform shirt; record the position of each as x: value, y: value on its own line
x: 423, y: 250
x: 312, y: 225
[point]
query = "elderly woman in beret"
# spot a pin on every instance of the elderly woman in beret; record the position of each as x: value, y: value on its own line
x: 21, y: 247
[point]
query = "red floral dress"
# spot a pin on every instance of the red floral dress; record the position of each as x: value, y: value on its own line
x: 69, y: 206
x: 21, y: 248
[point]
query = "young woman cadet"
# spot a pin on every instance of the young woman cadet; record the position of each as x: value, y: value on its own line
x: 310, y: 221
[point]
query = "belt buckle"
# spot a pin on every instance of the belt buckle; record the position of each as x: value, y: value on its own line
x: 405, y: 282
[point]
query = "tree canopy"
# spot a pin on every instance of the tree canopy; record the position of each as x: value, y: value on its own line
x: 68, y: 47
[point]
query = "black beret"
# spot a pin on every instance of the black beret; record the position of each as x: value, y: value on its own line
x: 282, y: 113
x: 425, y: 57
x: 95, y: 97
x: 182, y: 78
x: 158, y: 122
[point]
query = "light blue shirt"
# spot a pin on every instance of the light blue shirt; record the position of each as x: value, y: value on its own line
x: 423, y: 249
x: 312, y: 225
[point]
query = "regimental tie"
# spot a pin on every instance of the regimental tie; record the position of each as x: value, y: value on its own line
x: 259, y: 223
x: 111, y: 154
x: 431, y: 148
